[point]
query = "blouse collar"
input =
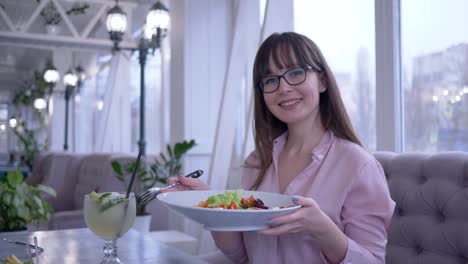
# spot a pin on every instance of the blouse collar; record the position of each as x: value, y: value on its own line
x: 318, y: 152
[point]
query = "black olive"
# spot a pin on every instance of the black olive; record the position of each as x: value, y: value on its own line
x: 259, y: 204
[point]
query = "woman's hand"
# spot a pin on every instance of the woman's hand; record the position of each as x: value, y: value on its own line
x: 187, y: 184
x: 310, y: 219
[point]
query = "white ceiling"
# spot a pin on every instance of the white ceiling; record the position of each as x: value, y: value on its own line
x: 19, y: 60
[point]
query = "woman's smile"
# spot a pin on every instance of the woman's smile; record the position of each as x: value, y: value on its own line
x: 290, y: 103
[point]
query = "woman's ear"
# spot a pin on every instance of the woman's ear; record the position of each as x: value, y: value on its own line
x: 322, y: 83
x: 322, y: 87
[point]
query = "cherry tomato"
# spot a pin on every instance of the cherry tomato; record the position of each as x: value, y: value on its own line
x: 232, y: 206
x: 245, y: 203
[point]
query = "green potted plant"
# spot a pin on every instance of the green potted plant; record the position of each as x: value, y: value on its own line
x: 150, y: 173
x: 21, y: 204
x: 30, y: 136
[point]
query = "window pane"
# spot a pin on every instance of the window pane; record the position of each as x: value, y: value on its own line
x: 347, y: 39
x: 435, y: 74
x: 153, y: 101
x: 84, y: 111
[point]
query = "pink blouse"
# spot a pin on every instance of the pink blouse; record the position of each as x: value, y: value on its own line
x: 350, y: 187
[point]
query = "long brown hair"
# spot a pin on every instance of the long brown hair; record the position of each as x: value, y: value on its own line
x: 282, y: 49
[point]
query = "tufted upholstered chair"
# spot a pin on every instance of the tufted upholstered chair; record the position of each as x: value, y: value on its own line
x: 41, y: 166
x: 430, y: 222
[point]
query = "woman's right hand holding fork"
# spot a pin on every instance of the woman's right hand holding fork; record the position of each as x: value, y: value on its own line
x: 187, y: 184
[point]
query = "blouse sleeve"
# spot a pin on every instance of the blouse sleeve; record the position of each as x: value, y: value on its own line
x: 366, y: 214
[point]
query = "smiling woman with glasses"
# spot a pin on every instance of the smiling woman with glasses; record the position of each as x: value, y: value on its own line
x: 306, y: 147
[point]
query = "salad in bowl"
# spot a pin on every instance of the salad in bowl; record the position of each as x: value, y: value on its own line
x: 234, y: 200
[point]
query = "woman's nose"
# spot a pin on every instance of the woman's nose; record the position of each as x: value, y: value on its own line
x: 283, y: 85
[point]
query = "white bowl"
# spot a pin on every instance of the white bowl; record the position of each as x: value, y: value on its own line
x: 212, y: 219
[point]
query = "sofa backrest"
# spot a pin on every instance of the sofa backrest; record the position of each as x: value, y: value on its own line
x: 92, y: 174
x: 430, y: 222
x: 41, y: 166
x: 62, y: 176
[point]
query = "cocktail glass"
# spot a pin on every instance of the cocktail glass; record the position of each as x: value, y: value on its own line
x: 109, y: 221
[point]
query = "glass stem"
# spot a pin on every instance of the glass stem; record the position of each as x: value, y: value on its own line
x: 110, y: 249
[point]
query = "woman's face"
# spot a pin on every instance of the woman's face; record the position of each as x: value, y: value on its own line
x: 294, y: 104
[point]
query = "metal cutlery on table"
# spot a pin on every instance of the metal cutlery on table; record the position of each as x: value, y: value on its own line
x: 151, y: 193
x: 35, y: 247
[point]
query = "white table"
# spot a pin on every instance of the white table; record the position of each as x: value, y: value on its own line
x: 82, y: 246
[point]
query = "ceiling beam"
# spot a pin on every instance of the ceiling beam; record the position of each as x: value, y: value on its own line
x: 7, y: 20
x: 34, y: 15
x: 19, y: 36
x: 106, y: 2
x: 44, y: 41
x: 92, y: 23
x: 65, y: 18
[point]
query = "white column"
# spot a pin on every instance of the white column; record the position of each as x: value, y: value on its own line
x: 389, y: 117
x: 200, y: 43
x: 279, y: 17
x: 227, y: 122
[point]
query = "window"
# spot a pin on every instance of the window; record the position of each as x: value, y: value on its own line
x: 347, y: 39
x: 153, y: 102
x: 84, y: 110
x: 434, y: 47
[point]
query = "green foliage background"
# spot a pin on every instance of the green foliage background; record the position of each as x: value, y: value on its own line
x: 21, y: 203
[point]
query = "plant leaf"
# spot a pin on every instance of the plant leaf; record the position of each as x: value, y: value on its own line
x: 163, y: 157
x: 169, y: 151
x: 182, y: 147
x: 46, y: 189
x: 14, y: 178
x: 118, y: 170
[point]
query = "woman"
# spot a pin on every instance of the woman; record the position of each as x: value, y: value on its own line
x: 306, y: 147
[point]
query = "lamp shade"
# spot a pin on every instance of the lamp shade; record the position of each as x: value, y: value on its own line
x: 70, y: 79
x: 158, y: 17
x: 40, y: 103
x: 116, y: 23
x: 51, y: 75
x: 13, y: 122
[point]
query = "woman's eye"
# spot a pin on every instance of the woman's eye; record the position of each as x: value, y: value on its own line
x: 296, y: 72
x: 270, y: 80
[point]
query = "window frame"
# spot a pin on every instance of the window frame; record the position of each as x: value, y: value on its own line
x: 389, y: 100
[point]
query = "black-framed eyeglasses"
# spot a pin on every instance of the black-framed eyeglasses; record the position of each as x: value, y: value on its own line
x: 294, y: 76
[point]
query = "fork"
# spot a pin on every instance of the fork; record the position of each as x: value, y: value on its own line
x: 151, y: 193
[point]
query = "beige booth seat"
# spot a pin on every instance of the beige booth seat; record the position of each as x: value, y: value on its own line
x: 430, y: 222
